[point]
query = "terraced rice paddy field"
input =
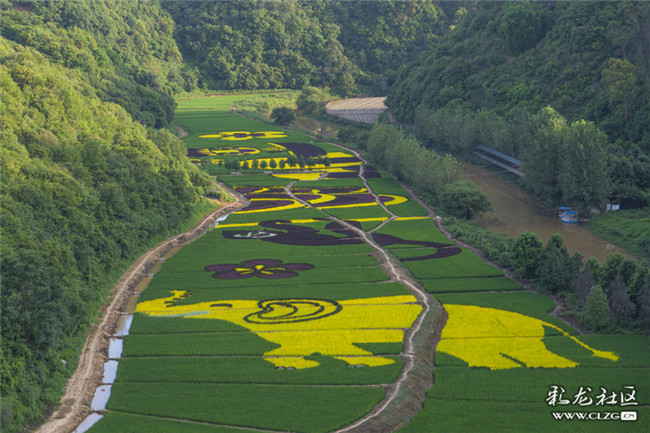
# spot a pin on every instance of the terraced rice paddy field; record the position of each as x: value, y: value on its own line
x: 282, y: 319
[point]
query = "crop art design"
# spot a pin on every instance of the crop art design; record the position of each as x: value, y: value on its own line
x: 305, y: 326
x: 220, y: 151
x: 499, y: 339
x: 286, y: 233
x: 244, y: 135
x: 262, y: 268
x: 274, y: 199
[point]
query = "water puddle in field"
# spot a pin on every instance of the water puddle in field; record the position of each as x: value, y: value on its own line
x: 155, y: 268
x: 171, y: 252
x: 133, y: 301
x: 142, y: 284
x: 88, y: 422
x: 115, y: 347
x: 101, y: 397
x: 515, y: 212
x: 110, y: 371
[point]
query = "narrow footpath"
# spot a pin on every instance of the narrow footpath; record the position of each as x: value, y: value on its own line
x: 405, y: 397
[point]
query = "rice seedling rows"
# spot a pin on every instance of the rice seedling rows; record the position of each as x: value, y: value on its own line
x: 280, y: 318
x: 308, y: 409
x: 252, y: 369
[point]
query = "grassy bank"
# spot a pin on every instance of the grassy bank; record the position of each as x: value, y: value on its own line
x: 629, y: 229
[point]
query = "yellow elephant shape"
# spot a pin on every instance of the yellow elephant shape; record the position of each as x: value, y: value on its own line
x: 499, y: 339
x: 302, y: 327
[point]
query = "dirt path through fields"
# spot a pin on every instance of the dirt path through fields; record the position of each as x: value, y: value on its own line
x: 415, y: 378
x: 181, y: 132
x: 81, y: 386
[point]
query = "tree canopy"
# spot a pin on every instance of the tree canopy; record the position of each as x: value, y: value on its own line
x: 345, y: 45
x: 85, y: 185
x: 564, y: 87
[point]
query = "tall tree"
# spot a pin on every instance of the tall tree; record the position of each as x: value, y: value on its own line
x: 544, y: 154
x: 582, y: 286
x: 620, y: 79
x: 555, y: 270
x: 643, y: 309
x: 464, y: 199
x: 282, y: 116
x: 584, y: 176
x: 597, y: 308
x: 620, y: 306
x: 527, y: 252
x: 522, y: 25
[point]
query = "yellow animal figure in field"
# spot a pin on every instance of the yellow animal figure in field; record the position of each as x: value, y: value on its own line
x: 498, y: 339
x: 304, y: 326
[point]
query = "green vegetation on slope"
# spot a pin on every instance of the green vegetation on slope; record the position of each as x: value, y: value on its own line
x: 84, y: 191
x: 493, y: 80
x: 292, y: 44
x: 586, y: 59
x: 627, y: 228
x: 124, y: 50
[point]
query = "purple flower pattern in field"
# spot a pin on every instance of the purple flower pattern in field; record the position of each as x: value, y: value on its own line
x: 263, y: 268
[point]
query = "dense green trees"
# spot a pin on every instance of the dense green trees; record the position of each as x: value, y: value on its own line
x: 292, y: 44
x: 596, y: 309
x: 124, y: 50
x: 544, y: 154
x: 610, y: 296
x: 617, y: 294
x: 282, y: 116
x: 555, y: 269
x: 509, y: 63
x: 584, y: 178
x: 566, y: 163
x: 522, y: 25
x: 84, y: 190
x: 527, y: 252
x: 405, y: 158
x: 312, y: 99
x: 587, y: 60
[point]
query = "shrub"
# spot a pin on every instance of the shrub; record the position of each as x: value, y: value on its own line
x: 282, y: 116
x: 464, y: 199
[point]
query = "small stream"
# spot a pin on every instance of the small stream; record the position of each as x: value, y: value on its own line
x: 515, y: 212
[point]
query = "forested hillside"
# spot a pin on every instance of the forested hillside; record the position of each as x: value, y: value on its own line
x: 291, y: 44
x: 563, y: 86
x: 588, y: 60
x: 85, y: 188
x: 124, y: 50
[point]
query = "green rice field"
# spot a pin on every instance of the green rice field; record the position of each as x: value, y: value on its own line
x: 282, y: 319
